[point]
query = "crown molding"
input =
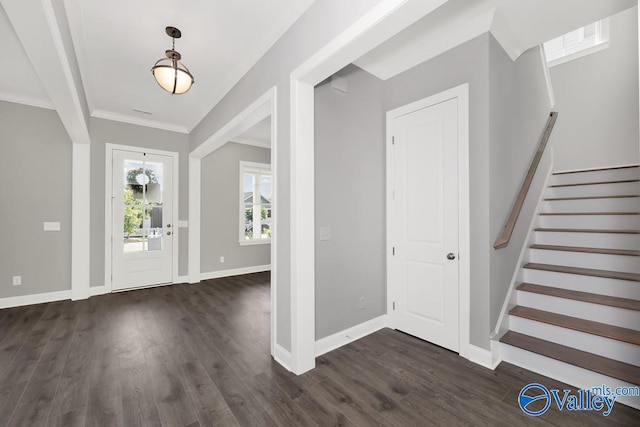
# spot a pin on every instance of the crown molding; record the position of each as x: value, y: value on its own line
x: 125, y: 118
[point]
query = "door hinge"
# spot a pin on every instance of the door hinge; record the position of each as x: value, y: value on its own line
x: 393, y: 140
x: 394, y: 306
x: 393, y: 250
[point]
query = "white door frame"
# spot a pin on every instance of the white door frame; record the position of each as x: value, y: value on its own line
x: 260, y: 109
x: 108, y: 209
x: 385, y: 20
x: 461, y: 93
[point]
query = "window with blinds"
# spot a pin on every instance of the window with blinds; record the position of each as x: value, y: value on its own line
x: 575, y: 44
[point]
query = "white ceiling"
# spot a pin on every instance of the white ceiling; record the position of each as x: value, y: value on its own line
x: 116, y: 43
x: 18, y: 81
x: 258, y: 134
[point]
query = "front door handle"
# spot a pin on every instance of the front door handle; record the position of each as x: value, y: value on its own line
x: 451, y: 256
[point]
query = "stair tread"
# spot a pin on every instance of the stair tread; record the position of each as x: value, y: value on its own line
x: 626, y: 303
x: 605, y: 251
x: 622, y: 181
x: 589, y: 213
x: 592, y: 362
x: 596, y: 169
x: 616, y: 196
x: 585, y: 271
x: 582, y: 325
x: 586, y: 230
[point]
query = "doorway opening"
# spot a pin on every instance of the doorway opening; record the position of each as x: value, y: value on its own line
x: 241, y: 205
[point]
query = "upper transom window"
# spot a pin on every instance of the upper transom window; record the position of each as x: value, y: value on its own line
x: 575, y: 44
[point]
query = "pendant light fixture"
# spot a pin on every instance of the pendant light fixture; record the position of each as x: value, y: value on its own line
x: 171, y: 74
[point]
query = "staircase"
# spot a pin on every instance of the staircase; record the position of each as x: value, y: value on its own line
x: 577, y: 317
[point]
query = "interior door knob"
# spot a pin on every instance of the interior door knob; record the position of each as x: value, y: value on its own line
x: 168, y: 233
x: 451, y: 256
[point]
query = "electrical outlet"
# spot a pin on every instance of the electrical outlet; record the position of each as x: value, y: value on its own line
x: 221, y: 260
x: 361, y: 303
x: 17, y: 280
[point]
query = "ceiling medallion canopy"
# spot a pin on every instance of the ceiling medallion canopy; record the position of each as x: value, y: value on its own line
x: 171, y: 74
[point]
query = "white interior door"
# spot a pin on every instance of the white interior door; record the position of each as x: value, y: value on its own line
x: 142, y: 213
x: 423, y: 271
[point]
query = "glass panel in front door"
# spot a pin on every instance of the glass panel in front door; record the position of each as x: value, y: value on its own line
x: 143, y: 191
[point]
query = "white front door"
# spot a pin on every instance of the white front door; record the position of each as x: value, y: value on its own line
x: 142, y: 213
x: 423, y: 271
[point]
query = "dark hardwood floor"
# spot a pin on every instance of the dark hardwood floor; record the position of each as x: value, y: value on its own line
x: 198, y: 355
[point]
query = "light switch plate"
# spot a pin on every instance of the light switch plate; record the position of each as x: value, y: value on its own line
x: 51, y: 226
x: 325, y: 233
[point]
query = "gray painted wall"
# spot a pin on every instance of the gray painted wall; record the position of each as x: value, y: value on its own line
x: 468, y: 63
x: 220, y: 210
x: 350, y: 199
x: 519, y: 107
x: 509, y: 106
x: 597, y: 98
x: 321, y: 23
x: 35, y: 183
x: 107, y: 131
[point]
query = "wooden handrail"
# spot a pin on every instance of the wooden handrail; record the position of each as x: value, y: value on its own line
x: 504, y: 238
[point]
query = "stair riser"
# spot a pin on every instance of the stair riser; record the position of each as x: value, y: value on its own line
x: 596, y: 176
x: 622, y: 263
x: 589, y: 240
x: 595, y: 190
x: 627, y: 204
x: 575, y: 376
x: 583, y: 310
x: 575, y: 282
x: 599, y: 222
x: 601, y: 346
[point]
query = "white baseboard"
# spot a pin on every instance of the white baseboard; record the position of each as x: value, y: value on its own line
x: 23, y: 300
x: 234, y: 272
x: 483, y: 357
x: 496, y: 356
x: 181, y: 279
x: 282, y: 356
x: 98, y: 290
x: 341, y: 338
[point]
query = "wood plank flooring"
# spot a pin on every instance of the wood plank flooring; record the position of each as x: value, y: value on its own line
x: 198, y: 355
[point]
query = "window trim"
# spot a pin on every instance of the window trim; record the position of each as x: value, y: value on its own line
x: 242, y: 241
x: 601, y: 45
